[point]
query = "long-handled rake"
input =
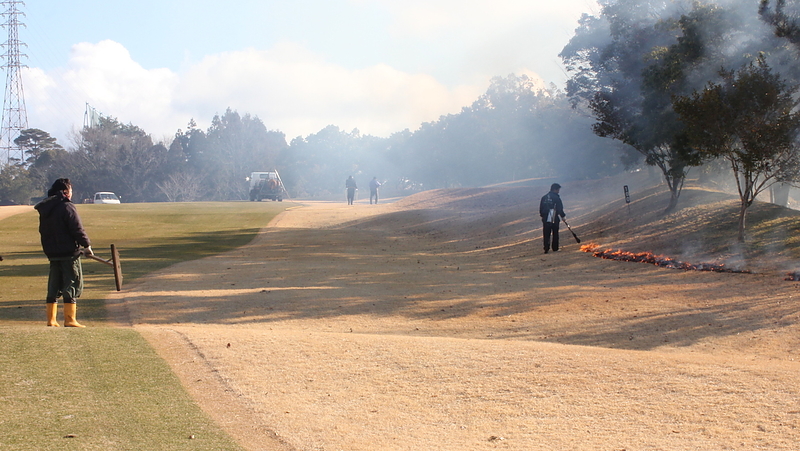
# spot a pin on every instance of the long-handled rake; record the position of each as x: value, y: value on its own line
x: 114, y: 263
x: 578, y: 240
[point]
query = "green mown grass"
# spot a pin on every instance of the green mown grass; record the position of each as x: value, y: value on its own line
x: 103, y: 387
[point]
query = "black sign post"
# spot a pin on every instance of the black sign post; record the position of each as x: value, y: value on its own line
x: 627, y: 198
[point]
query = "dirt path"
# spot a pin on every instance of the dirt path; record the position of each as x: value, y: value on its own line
x: 418, y: 326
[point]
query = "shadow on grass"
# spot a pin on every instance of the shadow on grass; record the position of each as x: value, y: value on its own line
x: 350, y: 273
x: 138, y: 259
x: 479, y: 259
x: 143, y: 258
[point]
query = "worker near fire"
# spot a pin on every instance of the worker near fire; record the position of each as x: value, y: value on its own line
x: 350, y: 184
x: 550, y: 208
x: 62, y: 236
x: 373, y: 189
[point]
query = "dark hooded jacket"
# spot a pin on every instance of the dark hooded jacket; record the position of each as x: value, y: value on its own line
x: 550, y: 201
x: 60, y: 227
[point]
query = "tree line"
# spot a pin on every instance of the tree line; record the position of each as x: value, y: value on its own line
x: 514, y: 131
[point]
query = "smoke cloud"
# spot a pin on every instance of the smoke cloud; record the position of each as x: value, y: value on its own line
x: 377, y: 65
x: 288, y: 87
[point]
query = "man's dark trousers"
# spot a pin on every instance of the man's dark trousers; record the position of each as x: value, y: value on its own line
x: 550, y: 228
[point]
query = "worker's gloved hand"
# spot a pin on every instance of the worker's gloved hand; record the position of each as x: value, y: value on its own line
x: 87, y: 251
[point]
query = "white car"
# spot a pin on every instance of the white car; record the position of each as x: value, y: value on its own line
x: 105, y: 197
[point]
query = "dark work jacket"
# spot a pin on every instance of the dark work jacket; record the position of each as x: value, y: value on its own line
x: 60, y: 227
x: 551, y: 200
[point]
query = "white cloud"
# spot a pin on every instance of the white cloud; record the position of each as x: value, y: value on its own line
x: 113, y: 80
x: 298, y: 92
x: 288, y: 87
x: 478, y: 39
x: 104, y: 76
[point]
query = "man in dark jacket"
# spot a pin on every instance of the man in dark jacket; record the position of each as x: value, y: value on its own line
x: 550, y: 208
x: 350, y: 184
x: 62, y: 237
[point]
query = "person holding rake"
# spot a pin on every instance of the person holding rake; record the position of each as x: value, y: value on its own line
x: 550, y: 209
x: 62, y: 236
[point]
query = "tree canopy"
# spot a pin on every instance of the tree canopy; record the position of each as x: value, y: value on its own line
x: 629, y: 62
x: 750, y: 119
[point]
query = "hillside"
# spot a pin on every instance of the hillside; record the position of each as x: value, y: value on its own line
x: 702, y: 229
x: 436, y: 322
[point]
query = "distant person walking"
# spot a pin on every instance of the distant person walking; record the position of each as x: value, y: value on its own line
x: 350, y: 184
x: 374, y: 184
x: 62, y: 236
x: 550, y: 208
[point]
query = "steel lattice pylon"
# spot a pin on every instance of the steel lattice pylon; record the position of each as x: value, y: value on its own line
x: 15, y: 117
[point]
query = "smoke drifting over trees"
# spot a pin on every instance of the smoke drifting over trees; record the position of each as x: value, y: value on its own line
x: 751, y: 120
x: 515, y: 131
x: 632, y: 61
x: 783, y: 18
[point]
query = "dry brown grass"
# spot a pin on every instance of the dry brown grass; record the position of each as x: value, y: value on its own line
x: 436, y: 322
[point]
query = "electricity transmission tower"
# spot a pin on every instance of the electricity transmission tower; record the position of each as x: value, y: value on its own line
x: 15, y: 117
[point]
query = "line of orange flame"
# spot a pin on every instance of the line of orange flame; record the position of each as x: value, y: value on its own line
x: 658, y: 260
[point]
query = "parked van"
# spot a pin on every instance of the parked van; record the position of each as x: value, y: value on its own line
x: 105, y: 197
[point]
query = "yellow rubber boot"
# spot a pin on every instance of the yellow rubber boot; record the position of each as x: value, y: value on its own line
x: 52, y: 313
x: 69, y: 315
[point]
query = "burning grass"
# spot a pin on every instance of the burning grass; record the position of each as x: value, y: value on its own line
x: 658, y: 260
x: 793, y: 276
x: 703, y: 228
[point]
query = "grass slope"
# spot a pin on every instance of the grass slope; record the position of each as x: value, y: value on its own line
x: 702, y: 229
x: 103, y: 387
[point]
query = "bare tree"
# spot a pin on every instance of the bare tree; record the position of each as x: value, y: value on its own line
x: 181, y: 187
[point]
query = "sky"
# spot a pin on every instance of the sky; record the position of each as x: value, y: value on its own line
x: 379, y: 66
